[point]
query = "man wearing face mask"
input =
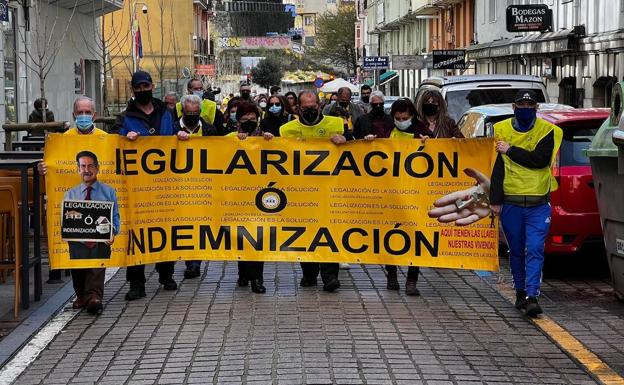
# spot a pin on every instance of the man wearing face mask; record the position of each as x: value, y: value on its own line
x: 209, y: 111
x: 376, y: 123
x: 245, y: 92
x: 191, y: 125
x: 350, y: 112
x: 520, y: 193
x: 146, y: 116
x: 365, y: 95
x: 313, y: 124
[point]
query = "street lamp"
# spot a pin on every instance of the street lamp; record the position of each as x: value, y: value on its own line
x: 192, y: 39
x: 133, y: 29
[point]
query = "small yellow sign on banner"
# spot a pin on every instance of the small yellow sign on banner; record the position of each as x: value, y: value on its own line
x: 221, y: 198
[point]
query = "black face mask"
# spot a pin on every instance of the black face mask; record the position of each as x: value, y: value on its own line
x: 191, y: 120
x: 430, y: 109
x: 344, y: 104
x: 377, y: 109
x: 249, y: 126
x: 143, y: 97
x: 245, y: 94
x: 309, y: 116
x: 365, y: 99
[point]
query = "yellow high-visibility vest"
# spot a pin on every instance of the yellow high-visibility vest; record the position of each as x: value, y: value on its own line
x: 520, y: 180
x: 398, y: 134
x: 208, y: 110
x: 326, y: 128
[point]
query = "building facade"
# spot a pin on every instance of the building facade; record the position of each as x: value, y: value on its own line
x: 307, y: 13
x: 175, y: 43
x: 76, y: 65
x: 579, y: 59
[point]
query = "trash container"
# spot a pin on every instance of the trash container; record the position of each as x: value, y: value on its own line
x: 606, y: 155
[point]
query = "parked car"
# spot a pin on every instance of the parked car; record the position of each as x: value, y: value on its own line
x: 478, y: 121
x: 575, y: 219
x: 463, y: 92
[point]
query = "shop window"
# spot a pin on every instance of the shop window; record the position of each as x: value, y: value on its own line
x: 10, y: 70
x: 567, y: 91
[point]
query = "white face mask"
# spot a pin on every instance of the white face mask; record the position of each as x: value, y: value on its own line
x: 262, y: 104
x: 404, y: 125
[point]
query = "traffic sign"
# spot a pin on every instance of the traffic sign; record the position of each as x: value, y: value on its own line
x: 375, y: 62
x: 318, y: 83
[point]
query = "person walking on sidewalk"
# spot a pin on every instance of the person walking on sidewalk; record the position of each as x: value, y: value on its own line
x: 313, y: 124
x: 146, y: 116
x: 520, y: 193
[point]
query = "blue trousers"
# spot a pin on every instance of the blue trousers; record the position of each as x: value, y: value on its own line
x: 526, y: 229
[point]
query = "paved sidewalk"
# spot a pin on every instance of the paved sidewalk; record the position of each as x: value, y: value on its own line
x: 461, y: 331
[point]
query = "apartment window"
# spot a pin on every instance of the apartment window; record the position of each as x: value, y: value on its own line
x: 308, y: 20
x: 492, y: 9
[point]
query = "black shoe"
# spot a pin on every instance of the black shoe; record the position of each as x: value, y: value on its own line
x: 307, y: 282
x: 136, y: 291
x: 242, y: 282
x: 521, y: 301
x: 410, y: 287
x: 168, y: 283
x: 393, y: 282
x: 257, y: 286
x: 533, y: 308
x: 95, y: 307
x: 192, y: 272
x: 332, y: 285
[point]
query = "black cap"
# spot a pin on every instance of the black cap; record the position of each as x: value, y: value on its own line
x: 140, y: 77
x: 525, y: 95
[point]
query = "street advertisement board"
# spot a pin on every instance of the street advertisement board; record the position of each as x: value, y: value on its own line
x: 449, y: 59
x: 221, y: 198
x: 408, y: 62
x: 528, y: 18
x: 375, y: 63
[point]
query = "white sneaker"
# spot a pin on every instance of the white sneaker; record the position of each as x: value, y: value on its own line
x: 345, y: 266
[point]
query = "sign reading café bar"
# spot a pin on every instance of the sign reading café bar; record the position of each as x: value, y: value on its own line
x: 221, y: 198
x: 528, y: 18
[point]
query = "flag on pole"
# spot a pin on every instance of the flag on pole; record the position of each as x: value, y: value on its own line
x: 138, y: 44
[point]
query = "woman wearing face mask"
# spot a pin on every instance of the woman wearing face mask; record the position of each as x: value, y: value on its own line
x: 276, y: 115
x: 262, y: 105
x: 375, y: 124
x: 230, y: 124
x: 291, y: 98
x: 247, y: 117
x: 434, y: 118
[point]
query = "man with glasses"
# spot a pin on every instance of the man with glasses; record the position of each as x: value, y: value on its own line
x: 209, y: 111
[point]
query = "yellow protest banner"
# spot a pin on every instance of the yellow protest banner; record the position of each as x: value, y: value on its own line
x: 221, y: 198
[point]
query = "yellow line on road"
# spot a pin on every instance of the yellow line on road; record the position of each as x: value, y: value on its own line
x: 566, y: 341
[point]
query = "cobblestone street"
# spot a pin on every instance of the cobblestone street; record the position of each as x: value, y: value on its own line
x: 460, y: 331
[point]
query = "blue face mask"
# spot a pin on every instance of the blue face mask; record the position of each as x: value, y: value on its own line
x: 84, y: 123
x: 275, y: 109
x: 198, y: 93
x: 525, y: 118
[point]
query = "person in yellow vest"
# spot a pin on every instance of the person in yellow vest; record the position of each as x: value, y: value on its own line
x: 313, y: 124
x: 209, y: 111
x: 88, y: 283
x: 520, y: 193
x: 191, y: 124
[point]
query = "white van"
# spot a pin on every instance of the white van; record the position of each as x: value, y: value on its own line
x: 463, y: 92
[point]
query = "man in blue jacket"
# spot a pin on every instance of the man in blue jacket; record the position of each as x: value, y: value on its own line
x: 146, y: 116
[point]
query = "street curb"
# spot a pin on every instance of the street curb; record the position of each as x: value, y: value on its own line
x: 15, y: 340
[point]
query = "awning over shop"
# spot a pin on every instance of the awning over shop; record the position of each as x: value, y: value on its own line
x: 535, y: 43
x: 387, y: 77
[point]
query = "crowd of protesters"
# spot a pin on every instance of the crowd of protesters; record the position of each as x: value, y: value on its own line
x: 339, y: 118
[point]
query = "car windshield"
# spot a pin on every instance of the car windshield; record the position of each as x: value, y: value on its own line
x: 462, y: 100
x: 573, y: 146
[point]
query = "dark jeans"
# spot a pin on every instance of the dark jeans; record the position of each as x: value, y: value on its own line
x: 250, y: 270
x: 88, y: 283
x: 328, y: 271
x: 136, y: 274
x: 412, y: 271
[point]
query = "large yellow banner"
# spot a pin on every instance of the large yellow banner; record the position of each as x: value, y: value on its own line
x: 279, y: 200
